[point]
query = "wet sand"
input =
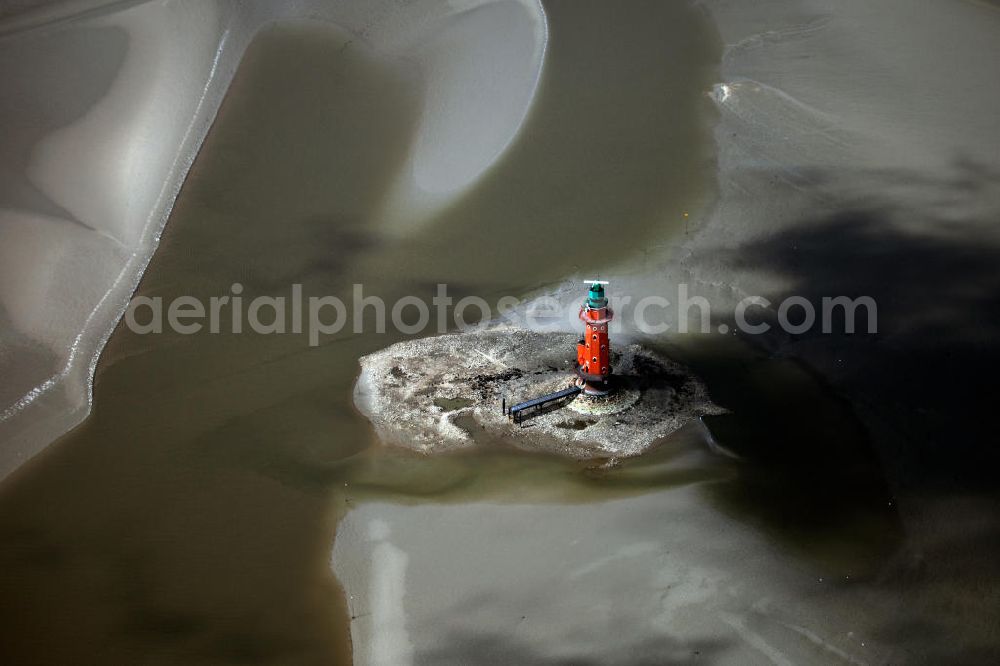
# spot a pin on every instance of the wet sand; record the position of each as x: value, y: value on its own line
x: 191, y: 517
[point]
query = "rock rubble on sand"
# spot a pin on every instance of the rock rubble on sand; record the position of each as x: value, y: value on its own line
x: 444, y: 393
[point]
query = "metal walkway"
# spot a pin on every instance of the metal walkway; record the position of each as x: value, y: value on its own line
x: 528, y: 408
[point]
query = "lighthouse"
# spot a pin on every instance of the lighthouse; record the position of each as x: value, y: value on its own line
x: 593, y: 360
x: 593, y: 350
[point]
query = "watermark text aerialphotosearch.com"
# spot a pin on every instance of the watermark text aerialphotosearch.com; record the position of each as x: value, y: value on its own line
x: 323, y: 316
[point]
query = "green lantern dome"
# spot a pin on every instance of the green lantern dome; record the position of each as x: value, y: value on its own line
x: 596, y: 298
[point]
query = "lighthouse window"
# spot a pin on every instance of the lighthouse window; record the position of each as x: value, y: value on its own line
x: 595, y: 336
x: 604, y: 371
x: 593, y: 360
x: 603, y: 347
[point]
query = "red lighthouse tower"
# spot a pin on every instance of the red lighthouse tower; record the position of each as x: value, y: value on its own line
x: 593, y: 351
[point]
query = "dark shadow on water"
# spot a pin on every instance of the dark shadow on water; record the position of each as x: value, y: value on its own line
x: 928, y: 253
x: 914, y: 425
x: 806, y: 473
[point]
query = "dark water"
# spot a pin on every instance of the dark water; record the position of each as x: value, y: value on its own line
x: 190, y: 518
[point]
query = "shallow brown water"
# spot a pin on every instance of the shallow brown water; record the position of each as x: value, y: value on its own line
x: 190, y: 518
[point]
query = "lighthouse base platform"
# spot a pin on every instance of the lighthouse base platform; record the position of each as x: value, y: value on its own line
x: 620, y: 398
x: 446, y: 393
